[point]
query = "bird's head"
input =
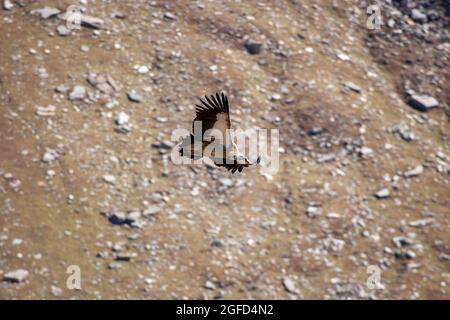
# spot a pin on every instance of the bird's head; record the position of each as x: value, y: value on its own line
x: 252, y: 162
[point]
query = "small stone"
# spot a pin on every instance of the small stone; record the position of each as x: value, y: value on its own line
x: 18, y: 275
x: 326, y: 158
x: 209, y: 285
x: 312, y: 211
x: 7, y: 5
x: 84, y: 48
x: 410, y: 254
x: 418, y: 16
x: 275, y: 97
x: 365, y: 151
x: 405, y: 255
x: 126, y: 256
x: 253, y: 47
x: 103, y: 82
x: 114, y: 265
x: 133, y: 216
x: 117, y: 218
x: 125, y: 128
x: 383, y: 193
x: 143, y: 70
x: 48, y: 156
x: 150, y: 211
x: 414, y: 172
x: 91, y: 22
x: 391, y: 23
x: 342, y: 56
x: 46, y: 111
x: 63, y: 31
x: 421, y: 223
x: 403, y: 132
x: 56, y: 291
x: 169, y: 16
x: 289, y: 285
x: 401, y: 241
x: 315, y: 131
x: 134, y: 97
x: 423, y: 102
x: 351, y: 86
x: 108, y: 178
x: 62, y: 88
x: 122, y: 119
x: 444, y: 257
x: 226, y: 182
x: 45, y: 13
x: 77, y: 93
x: 427, y: 214
x: 112, y: 104
x: 216, y: 243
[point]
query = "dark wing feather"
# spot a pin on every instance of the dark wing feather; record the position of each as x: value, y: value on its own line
x: 213, y: 113
x: 233, y: 167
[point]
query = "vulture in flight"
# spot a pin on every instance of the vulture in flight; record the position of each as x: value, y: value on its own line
x: 214, y: 113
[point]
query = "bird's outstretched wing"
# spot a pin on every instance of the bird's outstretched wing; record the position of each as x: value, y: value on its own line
x: 214, y: 113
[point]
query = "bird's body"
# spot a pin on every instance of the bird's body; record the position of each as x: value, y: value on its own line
x: 215, y: 141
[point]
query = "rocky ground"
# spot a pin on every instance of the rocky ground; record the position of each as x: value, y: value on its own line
x: 86, y: 179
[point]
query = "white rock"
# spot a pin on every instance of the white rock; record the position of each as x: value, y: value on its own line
x: 226, y: 182
x: 62, y: 30
x: 18, y: 275
x: 78, y: 93
x: 289, y: 285
x: 421, y: 223
x: 46, y: 12
x: 423, y: 102
x: 414, y: 172
x: 133, y: 216
x: 342, y: 56
x: 209, y: 285
x: 7, y: 5
x: 109, y: 178
x: 56, y: 291
x: 365, y: 151
x: 62, y: 88
x: 134, y: 97
x: 383, y: 193
x: 122, y: 118
x: 143, y: 70
x: 418, y: 16
x: 312, y: 211
x: 151, y: 211
x: 92, y: 22
x: 49, y: 156
x: 351, y: 86
x: 17, y: 242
